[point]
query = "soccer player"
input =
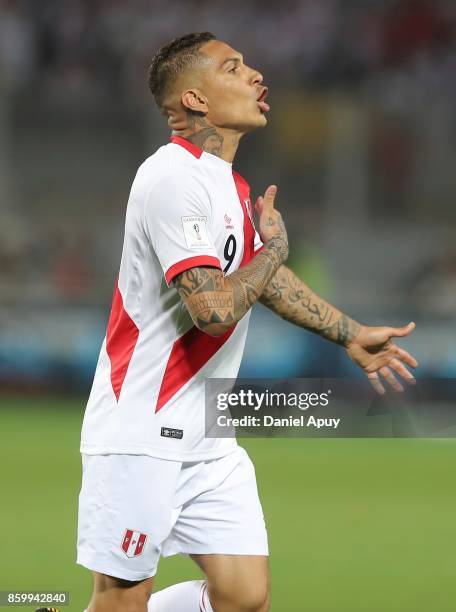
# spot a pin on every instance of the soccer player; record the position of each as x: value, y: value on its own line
x: 192, y: 267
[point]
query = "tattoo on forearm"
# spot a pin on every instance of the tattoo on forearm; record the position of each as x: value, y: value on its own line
x: 291, y: 299
x: 213, y: 299
x: 343, y: 331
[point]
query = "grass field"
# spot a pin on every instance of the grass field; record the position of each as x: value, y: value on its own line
x: 354, y: 525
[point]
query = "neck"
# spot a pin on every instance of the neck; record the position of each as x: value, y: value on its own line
x: 217, y: 141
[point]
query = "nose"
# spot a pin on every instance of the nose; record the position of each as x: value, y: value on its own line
x: 256, y: 78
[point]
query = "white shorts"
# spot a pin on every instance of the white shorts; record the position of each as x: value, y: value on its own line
x: 135, y: 508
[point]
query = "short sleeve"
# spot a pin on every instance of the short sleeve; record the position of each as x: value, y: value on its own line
x: 178, y: 222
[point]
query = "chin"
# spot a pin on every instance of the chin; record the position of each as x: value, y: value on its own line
x: 259, y: 122
x: 262, y: 120
x: 252, y: 123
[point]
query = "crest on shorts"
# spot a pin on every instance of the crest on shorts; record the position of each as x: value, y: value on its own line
x: 133, y: 543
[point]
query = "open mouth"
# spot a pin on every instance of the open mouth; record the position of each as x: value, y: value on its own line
x: 261, y: 100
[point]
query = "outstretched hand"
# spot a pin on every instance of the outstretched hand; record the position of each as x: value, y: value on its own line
x: 375, y: 352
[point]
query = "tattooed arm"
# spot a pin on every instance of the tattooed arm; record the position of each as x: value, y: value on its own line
x: 371, y: 348
x: 216, y: 302
x: 294, y: 301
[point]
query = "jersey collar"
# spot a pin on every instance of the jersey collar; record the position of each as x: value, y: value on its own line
x: 192, y: 148
x: 198, y: 152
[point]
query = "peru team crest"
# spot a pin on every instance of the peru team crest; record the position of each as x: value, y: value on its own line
x: 133, y: 543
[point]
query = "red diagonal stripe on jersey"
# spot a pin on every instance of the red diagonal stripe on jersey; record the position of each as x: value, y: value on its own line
x: 121, y: 338
x: 243, y: 190
x: 189, y: 354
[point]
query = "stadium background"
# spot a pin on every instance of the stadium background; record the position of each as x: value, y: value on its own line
x: 361, y: 141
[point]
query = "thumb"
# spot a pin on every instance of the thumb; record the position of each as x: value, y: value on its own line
x: 269, y: 196
x: 398, y: 332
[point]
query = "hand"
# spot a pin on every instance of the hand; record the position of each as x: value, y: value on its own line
x: 272, y: 226
x: 374, y: 351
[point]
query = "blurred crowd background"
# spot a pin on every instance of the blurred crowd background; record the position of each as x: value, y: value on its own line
x: 361, y: 141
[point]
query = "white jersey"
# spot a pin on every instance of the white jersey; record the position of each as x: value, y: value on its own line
x: 186, y: 208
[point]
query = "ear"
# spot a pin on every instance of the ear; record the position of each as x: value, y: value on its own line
x: 193, y: 100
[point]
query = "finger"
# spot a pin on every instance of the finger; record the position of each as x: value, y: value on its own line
x: 375, y: 382
x: 406, y: 357
x: 391, y: 379
x: 400, y: 369
x: 399, y: 332
x: 269, y: 197
x: 259, y: 205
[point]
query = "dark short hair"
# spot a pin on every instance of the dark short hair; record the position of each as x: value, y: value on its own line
x: 171, y: 60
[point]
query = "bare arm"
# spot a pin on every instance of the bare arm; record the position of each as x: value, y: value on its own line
x: 216, y: 302
x: 294, y: 301
x: 371, y: 348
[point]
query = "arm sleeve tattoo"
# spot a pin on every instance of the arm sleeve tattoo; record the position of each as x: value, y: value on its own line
x: 216, y: 302
x: 294, y: 301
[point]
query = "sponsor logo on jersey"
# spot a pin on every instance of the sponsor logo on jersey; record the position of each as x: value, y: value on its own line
x: 133, y: 543
x: 169, y: 432
x: 228, y: 222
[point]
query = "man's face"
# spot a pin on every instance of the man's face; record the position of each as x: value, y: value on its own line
x: 234, y: 91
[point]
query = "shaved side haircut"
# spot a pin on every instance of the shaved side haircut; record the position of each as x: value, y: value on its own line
x: 173, y: 59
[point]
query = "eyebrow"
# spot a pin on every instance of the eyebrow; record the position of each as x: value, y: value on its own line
x: 237, y: 60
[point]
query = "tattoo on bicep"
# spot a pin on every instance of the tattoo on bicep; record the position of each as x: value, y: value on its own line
x: 212, y: 298
x: 191, y: 281
x: 207, y: 305
x: 205, y: 297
